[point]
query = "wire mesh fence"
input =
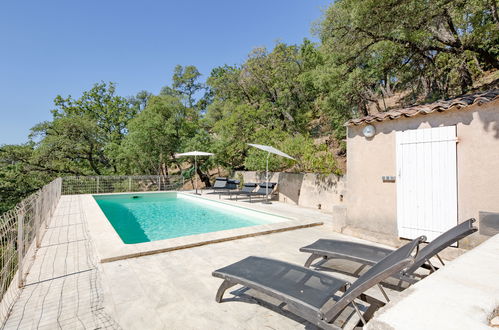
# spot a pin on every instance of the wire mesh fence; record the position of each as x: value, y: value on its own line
x: 113, y: 184
x: 21, y: 230
x: 23, y: 227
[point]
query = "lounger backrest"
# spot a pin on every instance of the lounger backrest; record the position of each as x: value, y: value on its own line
x: 232, y: 184
x: 262, y: 187
x: 220, y: 183
x: 448, y: 238
x: 249, y: 187
x: 388, y: 266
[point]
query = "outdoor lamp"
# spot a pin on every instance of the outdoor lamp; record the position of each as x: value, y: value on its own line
x: 369, y: 131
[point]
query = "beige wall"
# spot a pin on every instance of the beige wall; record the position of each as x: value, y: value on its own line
x: 371, y: 203
x: 304, y: 189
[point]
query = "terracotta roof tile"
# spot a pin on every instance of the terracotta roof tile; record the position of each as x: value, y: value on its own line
x: 440, y: 106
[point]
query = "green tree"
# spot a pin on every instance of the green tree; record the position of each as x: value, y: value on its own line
x: 85, y: 134
x: 268, y: 98
x: 273, y: 84
x: 156, y: 134
x: 20, y: 174
x: 309, y: 156
x: 140, y: 100
x: 200, y: 141
x: 185, y: 83
x: 432, y: 48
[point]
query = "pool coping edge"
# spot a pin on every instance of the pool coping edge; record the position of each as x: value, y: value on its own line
x: 207, y: 242
x: 110, y: 247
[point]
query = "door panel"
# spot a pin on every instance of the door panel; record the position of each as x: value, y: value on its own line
x: 426, y: 181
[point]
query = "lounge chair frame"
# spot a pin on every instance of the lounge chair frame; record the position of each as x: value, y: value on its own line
x: 248, y: 187
x: 346, y: 250
x: 325, y: 315
x: 228, y: 185
x: 259, y: 191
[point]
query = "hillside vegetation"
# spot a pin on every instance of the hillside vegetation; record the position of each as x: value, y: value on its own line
x: 372, y: 55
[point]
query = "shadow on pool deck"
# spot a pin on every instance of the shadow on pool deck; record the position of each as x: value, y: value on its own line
x: 63, y: 288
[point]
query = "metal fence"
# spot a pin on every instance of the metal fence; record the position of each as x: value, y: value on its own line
x: 113, y: 184
x: 21, y: 231
x: 23, y: 227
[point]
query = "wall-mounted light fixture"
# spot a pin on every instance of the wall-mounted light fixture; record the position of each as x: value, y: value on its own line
x: 369, y: 131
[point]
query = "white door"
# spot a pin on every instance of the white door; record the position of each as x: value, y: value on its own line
x: 426, y: 181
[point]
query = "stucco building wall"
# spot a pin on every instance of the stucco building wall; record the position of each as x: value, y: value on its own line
x: 372, y: 203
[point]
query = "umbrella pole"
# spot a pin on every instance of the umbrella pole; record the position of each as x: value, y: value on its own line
x: 267, y: 177
x: 195, y: 173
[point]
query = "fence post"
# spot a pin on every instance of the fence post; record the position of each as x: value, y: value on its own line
x: 20, y: 244
x: 52, y: 200
x: 159, y: 182
x: 37, y: 221
x: 97, y: 184
x: 129, y: 184
x: 44, y: 207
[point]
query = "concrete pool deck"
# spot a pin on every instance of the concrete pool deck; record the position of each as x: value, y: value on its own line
x: 67, y: 288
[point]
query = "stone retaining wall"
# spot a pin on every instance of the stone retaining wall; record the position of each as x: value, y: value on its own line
x: 325, y: 192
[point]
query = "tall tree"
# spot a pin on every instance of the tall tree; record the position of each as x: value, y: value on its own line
x: 20, y: 174
x: 155, y: 135
x: 85, y: 134
x: 433, y: 48
x: 186, y: 83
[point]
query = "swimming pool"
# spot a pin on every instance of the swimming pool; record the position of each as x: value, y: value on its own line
x: 139, y: 218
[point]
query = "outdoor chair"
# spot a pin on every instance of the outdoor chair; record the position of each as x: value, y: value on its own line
x: 223, y: 185
x: 247, y: 188
x: 232, y: 184
x: 369, y: 254
x: 220, y: 184
x: 262, y: 190
x: 314, y: 296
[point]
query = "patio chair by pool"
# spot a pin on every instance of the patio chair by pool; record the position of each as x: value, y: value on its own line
x: 220, y: 184
x: 312, y: 295
x: 369, y: 254
x: 248, y: 187
x: 223, y: 185
x: 262, y: 190
x: 232, y: 184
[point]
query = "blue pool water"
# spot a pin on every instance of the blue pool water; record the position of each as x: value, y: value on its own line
x: 141, y: 218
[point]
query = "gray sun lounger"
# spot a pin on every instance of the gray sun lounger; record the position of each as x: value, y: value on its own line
x: 220, y: 184
x: 232, y: 184
x: 369, y: 254
x: 248, y: 188
x: 225, y: 184
x: 312, y: 295
x: 262, y: 190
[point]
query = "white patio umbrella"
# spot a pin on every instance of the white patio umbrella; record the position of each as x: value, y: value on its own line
x: 269, y: 150
x: 195, y: 154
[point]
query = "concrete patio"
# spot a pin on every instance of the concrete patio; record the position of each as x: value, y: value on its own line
x: 68, y: 289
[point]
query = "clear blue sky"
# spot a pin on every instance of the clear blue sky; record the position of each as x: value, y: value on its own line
x: 64, y: 47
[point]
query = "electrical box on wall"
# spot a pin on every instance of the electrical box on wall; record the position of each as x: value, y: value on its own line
x: 387, y: 178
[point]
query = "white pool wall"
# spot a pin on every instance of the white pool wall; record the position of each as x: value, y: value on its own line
x: 269, y: 218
